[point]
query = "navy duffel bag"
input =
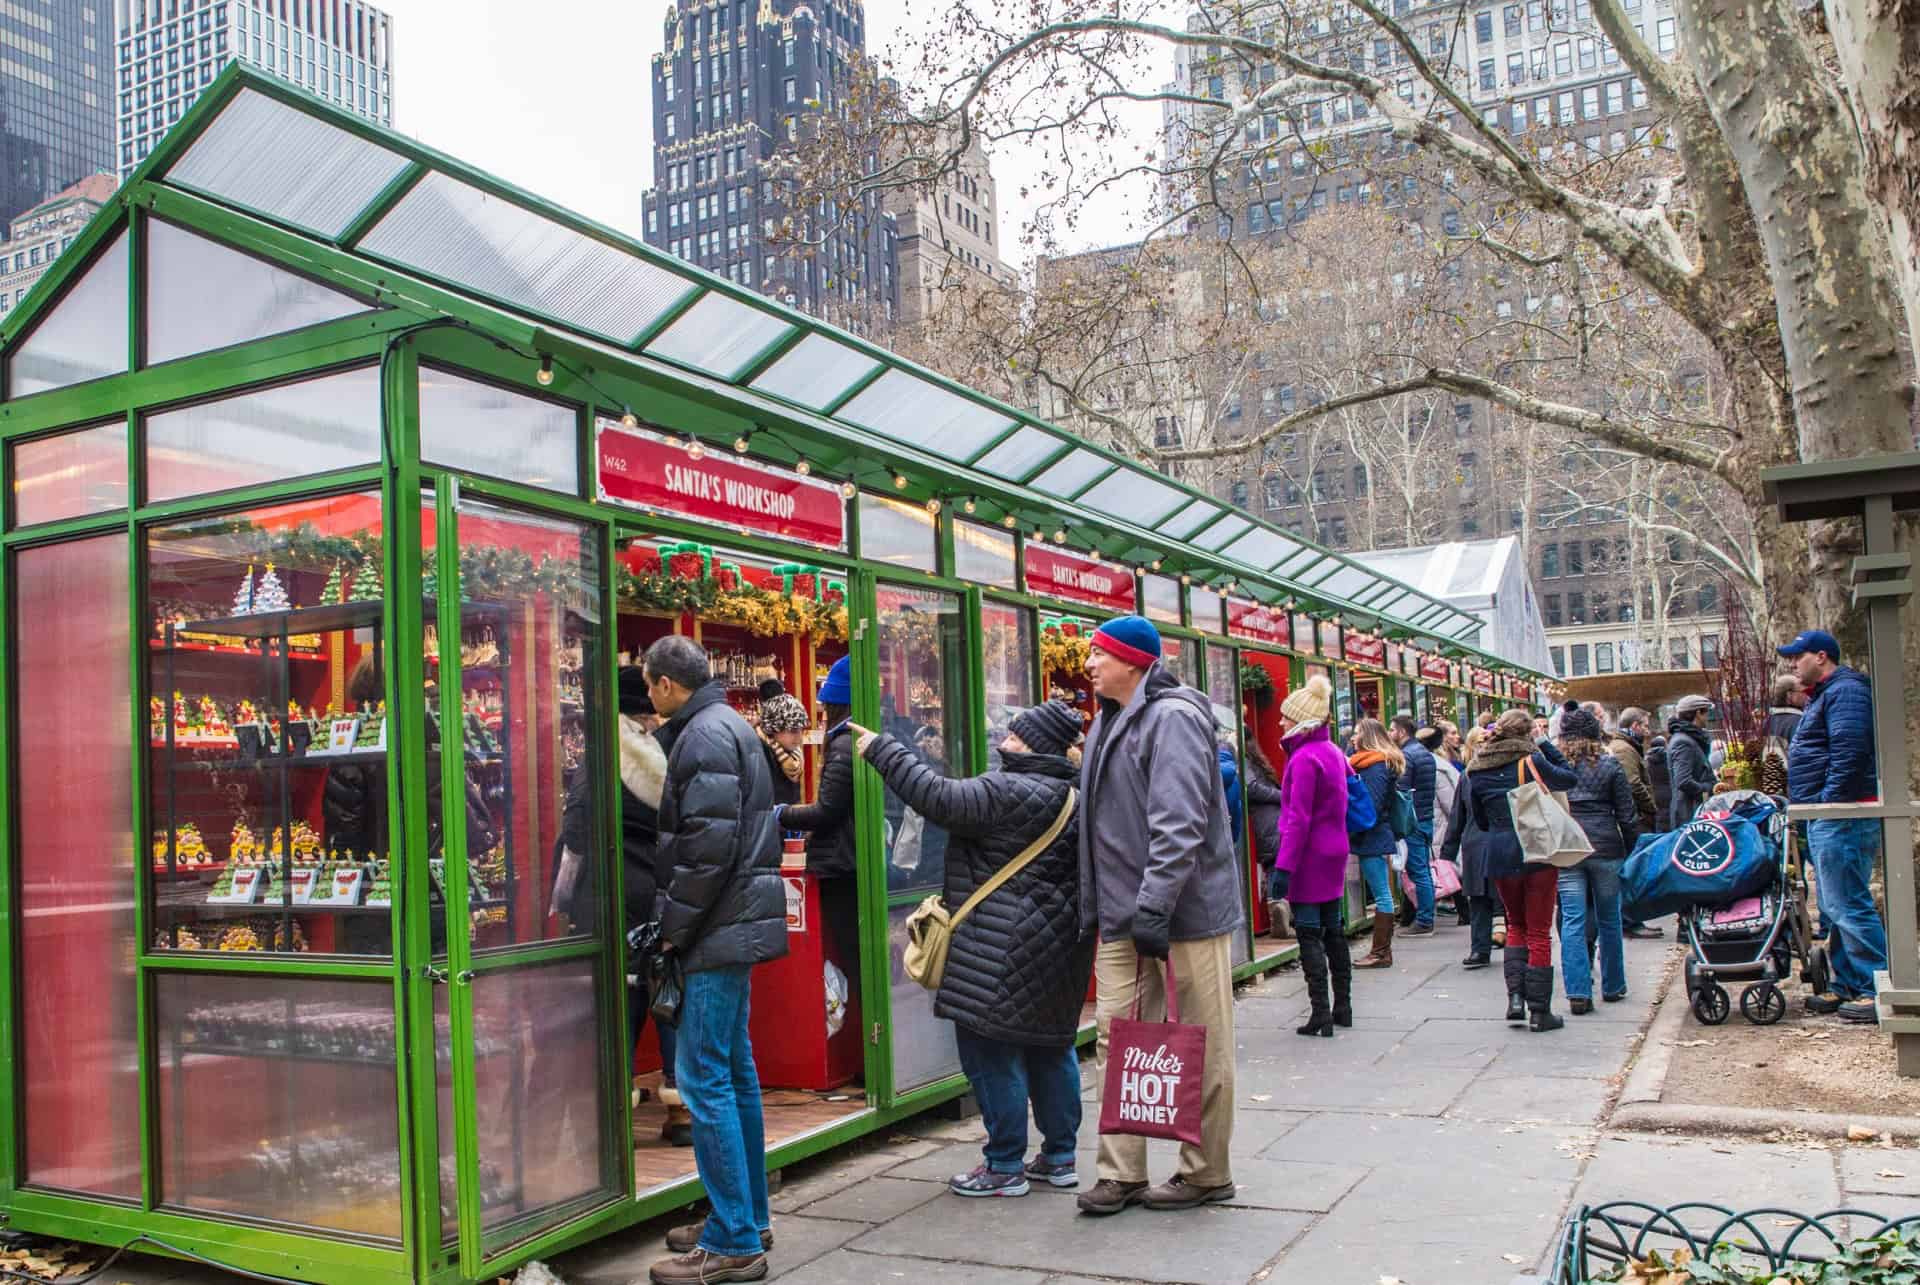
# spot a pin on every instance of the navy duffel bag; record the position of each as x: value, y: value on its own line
x: 1721, y: 855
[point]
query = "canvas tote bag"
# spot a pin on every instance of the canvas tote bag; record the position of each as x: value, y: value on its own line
x: 1154, y: 1072
x: 1548, y: 833
x: 930, y: 927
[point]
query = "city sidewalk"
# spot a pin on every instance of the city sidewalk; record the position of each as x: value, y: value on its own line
x: 1430, y: 1145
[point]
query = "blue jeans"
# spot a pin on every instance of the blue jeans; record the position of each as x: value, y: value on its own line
x: 713, y: 1062
x: 1589, y: 908
x: 1378, y: 874
x: 1843, y: 856
x: 1420, y: 870
x: 1004, y: 1078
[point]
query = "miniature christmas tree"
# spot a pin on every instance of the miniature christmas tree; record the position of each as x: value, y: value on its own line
x: 430, y: 581
x: 366, y: 583
x: 243, y: 596
x: 270, y: 594
x: 334, y: 591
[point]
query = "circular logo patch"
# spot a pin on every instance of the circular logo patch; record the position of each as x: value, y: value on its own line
x: 1703, y: 848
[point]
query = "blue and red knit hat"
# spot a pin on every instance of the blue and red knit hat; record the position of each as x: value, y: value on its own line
x: 1131, y: 639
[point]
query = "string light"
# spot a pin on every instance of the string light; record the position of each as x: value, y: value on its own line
x: 1060, y: 536
x: 1009, y: 522
x: 545, y: 373
x: 933, y: 505
x: 629, y: 420
x: 1155, y: 564
x: 695, y: 448
x: 740, y: 444
x: 899, y: 481
x: 801, y: 467
x: 1186, y: 579
x: 847, y: 490
x: 970, y: 505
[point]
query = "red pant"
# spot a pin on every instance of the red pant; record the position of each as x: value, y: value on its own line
x: 1530, y: 898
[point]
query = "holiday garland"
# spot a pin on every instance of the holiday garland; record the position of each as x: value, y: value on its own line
x: 1063, y: 653
x: 761, y: 612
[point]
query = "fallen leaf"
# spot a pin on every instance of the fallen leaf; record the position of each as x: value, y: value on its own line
x: 1262, y: 1097
x: 1692, y: 1044
x: 1513, y: 1258
x: 1860, y: 1133
x: 1389, y: 1280
x: 1889, y: 1173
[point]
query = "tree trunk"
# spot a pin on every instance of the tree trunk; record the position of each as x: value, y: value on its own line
x: 1878, y: 42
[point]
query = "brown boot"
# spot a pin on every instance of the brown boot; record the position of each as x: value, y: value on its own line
x: 1279, y: 921
x: 1381, y: 956
x: 698, y: 1267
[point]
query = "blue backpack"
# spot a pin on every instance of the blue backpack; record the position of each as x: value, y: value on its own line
x: 1361, y: 815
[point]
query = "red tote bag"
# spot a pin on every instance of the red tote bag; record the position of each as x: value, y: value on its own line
x: 1154, y: 1073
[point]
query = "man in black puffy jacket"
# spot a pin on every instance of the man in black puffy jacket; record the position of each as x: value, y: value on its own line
x: 1691, y: 777
x: 723, y: 910
x: 1419, y: 780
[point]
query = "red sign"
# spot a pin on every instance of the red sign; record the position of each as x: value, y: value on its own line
x: 1361, y: 650
x: 1255, y: 623
x: 1303, y: 633
x: 1523, y: 691
x: 646, y: 471
x: 1482, y: 681
x: 1434, y: 669
x: 1054, y: 573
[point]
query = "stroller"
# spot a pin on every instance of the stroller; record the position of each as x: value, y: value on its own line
x: 1754, y: 938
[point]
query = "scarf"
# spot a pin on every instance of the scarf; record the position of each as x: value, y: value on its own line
x: 1492, y: 754
x: 1365, y: 759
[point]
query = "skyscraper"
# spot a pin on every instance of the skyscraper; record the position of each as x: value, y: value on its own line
x: 731, y: 89
x: 56, y: 99
x: 169, y: 50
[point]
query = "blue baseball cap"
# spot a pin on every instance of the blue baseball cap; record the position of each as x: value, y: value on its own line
x: 1812, y: 640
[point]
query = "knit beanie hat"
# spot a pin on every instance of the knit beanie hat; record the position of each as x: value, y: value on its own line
x: 1048, y: 728
x: 1309, y: 704
x: 1130, y: 639
x: 838, y: 689
x: 1579, y: 723
x: 783, y: 713
x: 633, y: 695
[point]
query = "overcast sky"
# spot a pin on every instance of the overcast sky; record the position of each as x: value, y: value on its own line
x: 553, y: 96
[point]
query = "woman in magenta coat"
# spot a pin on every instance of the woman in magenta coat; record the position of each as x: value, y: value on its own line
x: 1311, y: 868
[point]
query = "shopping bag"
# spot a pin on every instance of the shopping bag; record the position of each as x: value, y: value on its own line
x: 1398, y: 857
x: 1547, y: 831
x: 1361, y: 816
x: 1446, y: 880
x: 1154, y: 1072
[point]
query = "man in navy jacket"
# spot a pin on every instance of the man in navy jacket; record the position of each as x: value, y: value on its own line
x: 1831, y: 760
x: 1418, y: 780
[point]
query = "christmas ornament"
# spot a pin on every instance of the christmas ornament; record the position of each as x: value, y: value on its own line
x: 334, y: 591
x: 243, y: 596
x: 366, y: 583
x: 270, y: 594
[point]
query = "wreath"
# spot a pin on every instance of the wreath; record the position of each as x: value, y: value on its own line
x: 1256, y: 682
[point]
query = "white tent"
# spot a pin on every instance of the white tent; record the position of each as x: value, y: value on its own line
x: 1485, y: 577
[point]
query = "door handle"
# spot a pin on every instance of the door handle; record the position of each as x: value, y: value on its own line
x: 434, y: 975
x: 464, y: 977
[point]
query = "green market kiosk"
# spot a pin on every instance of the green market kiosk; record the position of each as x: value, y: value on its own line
x: 339, y: 478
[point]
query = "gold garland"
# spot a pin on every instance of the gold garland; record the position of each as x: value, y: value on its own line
x: 1063, y: 654
x: 769, y: 615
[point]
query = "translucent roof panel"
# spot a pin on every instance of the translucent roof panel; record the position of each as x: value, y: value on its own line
x: 1347, y: 581
x: 1018, y: 456
x: 1071, y: 475
x: 1298, y: 562
x: 1221, y: 532
x: 1261, y: 548
x: 815, y: 372
x: 261, y: 154
x: 909, y: 409
x: 83, y: 337
x: 719, y: 335
x: 1188, y: 520
x: 458, y: 233
x: 1134, y: 497
x: 257, y: 298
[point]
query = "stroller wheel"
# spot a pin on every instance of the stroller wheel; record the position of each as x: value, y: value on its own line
x: 1815, y: 972
x: 1763, y: 1004
x: 1711, y: 1004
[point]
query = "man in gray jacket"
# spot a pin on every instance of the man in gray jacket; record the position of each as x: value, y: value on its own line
x: 1159, y: 881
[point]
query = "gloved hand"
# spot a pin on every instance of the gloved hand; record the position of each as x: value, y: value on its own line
x: 1278, y: 884
x: 1150, y: 929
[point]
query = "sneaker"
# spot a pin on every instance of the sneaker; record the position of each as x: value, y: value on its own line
x: 982, y: 1181
x: 1861, y: 1012
x: 1824, y: 1002
x: 1475, y: 961
x: 1059, y: 1174
x: 1110, y: 1196
x: 687, y: 1236
x: 1419, y: 930
x: 1178, y: 1193
x: 1643, y: 933
x: 698, y: 1267
x: 1614, y: 999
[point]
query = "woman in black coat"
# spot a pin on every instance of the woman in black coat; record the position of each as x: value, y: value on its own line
x: 828, y: 822
x: 1261, y: 786
x: 1017, y: 970
x: 1601, y: 800
x: 1528, y: 891
x: 1466, y: 846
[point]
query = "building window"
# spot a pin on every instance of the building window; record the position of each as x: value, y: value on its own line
x: 1710, y: 651
x: 1549, y: 561
x: 1559, y: 658
x: 1663, y: 36
x: 1510, y: 19
x: 1579, y: 658
x: 1603, y: 658
x: 787, y: 90
x: 1562, y: 57
x: 1577, y: 608
x: 1575, y: 564
x: 1486, y: 74
x: 1552, y: 601
x: 1677, y: 654
x: 1707, y: 598
x: 1483, y: 25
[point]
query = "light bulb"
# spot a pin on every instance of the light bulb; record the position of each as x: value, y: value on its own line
x: 1009, y: 522
x: 899, y: 481
x: 629, y: 420
x: 969, y: 506
x: 694, y: 448
x: 545, y: 373
x: 933, y: 506
x: 846, y: 490
x: 803, y: 468
x: 1186, y: 579
x: 1059, y: 537
x: 1156, y: 564
x: 740, y: 444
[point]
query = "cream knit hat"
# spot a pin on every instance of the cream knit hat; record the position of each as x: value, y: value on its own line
x: 1310, y: 704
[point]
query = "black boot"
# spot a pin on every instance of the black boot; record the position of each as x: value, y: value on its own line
x: 1340, y: 965
x: 1313, y: 962
x: 1515, y: 962
x: 1540, y: 1016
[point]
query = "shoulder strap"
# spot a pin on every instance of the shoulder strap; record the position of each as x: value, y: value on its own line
x: 1019, y: 863
x: 1526, y: 769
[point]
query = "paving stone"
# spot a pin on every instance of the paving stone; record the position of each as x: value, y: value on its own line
x: 874, y: 1201
x: 850, y: 1267
x: 625, y: 1257
x: 938, y: 1166
x: 1511, y: 1098
x: 1360, y: 1247
x: 1409, y: 1089
x: 1738, y: 1175
x: 1880, y: 1171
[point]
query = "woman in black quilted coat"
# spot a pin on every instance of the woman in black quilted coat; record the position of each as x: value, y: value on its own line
x: 1017, y: 972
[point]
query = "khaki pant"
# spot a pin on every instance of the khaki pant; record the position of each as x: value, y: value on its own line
x: 1203, y: 971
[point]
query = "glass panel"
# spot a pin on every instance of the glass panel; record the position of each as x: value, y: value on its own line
x: 79, y: 1086
x: 897, y: 532
x: 541, y: 1092
x: 815, y: 372
x: 1181, y: 657
x: 70, y: 475
x: 908, y: 409
x: 267, y: 156
x: 1260, y: 548
x: 483, y: 428
x: 1020, y: 454
x: 529, y: 639
x: 1009, y: 655
x: 1346, y: 581
x: 1221, y: 532
x: 983, y: 555
x: 1161, y: 594
x: 257, y: 299
x: 83, y: 336
x: 291, y: 430
x: 719, y: 335
x: 267, y: 747
x: 1188, y: 520
x: 1207, y: 607
x: 1299, y: 562
x: 1134, y: 497
x: 923, y: 1045
x: 277, y: 1100
x: 447, y: 229
x: 1072, y: 473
